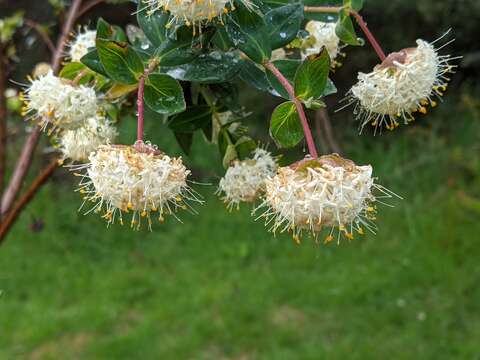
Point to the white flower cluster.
(329, 192)
(245, 179)
(81, 43)
(322, 35)
(77, 144)
(138, 179)
(54, 101)
(405, 82)
(192, 11)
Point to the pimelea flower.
(77, 144)
(244, 180)
(138, 179)
(328, 192)
(404, 83)
(81, 43)
(192, 11)
(322, 35)
(53, 100)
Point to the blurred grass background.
(218, 286)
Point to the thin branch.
(25, 158)
(301, 112)
(363, 25)
(62, 40)
(3, 117)
(24, 200)
(43, 34)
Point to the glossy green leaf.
(247, 31)
(153, 25)
(311, 77)
(353, 4)
(288, 68)
(92, 61)
(285, 126)
(254, 76)
(221, 39)
(283, 24)
(180, 49)
(213, 67)
(192, 119)
(345, 31)
(120, 61)
(163, 94)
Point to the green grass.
(219, 287)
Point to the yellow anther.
(143, 213)
(360, 231)
(328, 238)
(423, 110)
(433, 103)
(348, 235)
(129, 205)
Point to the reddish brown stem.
(363, 25)
(36, 184)
(140, 107)
(301, 112)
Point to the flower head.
(54, 101)
(81, 43)
(77, 144)
(192, 11)
(406, 82)
(137, 179)
(322, 35)
(245, 179)
(328, 192)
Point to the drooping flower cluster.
(244, 180)
(329, 192)
(79, 46)
(322, 35)
(52, 100)
(406, 82)
(191, 12)
(137, 179)
(77, 144)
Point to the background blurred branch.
(41, 31)
(25, 158)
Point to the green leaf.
(244, 147)
(163, 94)
(153, 25)
(247, 31)
(103, 29)
(285, 126)
(108, 32)
(229, 156)
(254, 76)
(92, 61)
(181, 49)
(120, 61)
(221, 39)
(345, 31)
(208, 68)
(71, 70)
(353, 4)
(185, 141)
(311, 77)
(288, 68)
(283, 24)
(192, 119)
